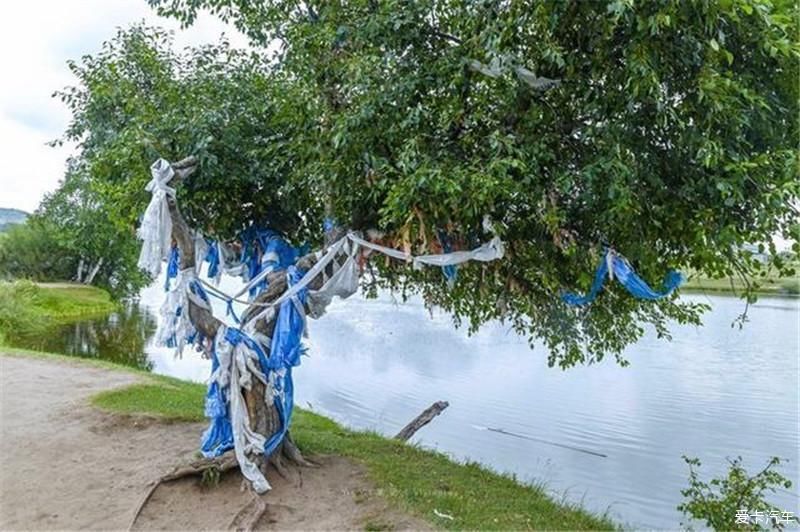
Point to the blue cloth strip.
(264, 249)
(213, 258)
(173, 265)
(218, 437)
(623, 272)
(285, 353)
(230, 312)
(450, 272)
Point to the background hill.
(9, 217)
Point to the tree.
(736, 500)
(666, 130)
(32, 250)
(72, 236)
(670, 137)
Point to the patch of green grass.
(172, 400)
(28, 308)
(415, 479)
(419, 481)
(791, 286)
(65, 301)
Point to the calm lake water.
(606, 436)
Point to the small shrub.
(211, 478)
(720, 501)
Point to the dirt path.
(66, 465)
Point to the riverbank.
(388, 484)
(28, 308)
(769, 286)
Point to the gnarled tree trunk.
(263, 415)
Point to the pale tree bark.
(79, 275)
(94, 271)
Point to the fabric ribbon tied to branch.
(614, 265)
(155, 230)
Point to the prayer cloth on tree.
(155, 230)
(612, 266)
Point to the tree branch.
(202, 318)
(446, 36)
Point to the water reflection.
(120, 337)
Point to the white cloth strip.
(307, 278)
(487, 252)
(155, 231)
(246, 440)
(490, 251)
(400, 255)
(173, 324)
(312, 273)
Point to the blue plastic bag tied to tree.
(615, 265)
(284, 355)
(218, 437)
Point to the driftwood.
(421, 420)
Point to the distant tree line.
(72, 237)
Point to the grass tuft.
(771, 285)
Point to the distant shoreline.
(782, 287)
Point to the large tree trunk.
(263, 416)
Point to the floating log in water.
(421, 420)
(531, 438)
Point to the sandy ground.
(66, 465)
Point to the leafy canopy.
(671, 137)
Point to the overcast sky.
(37, 37)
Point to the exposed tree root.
(219, 465)
(276, 460)
(292, 453)
(288, 450)
(247, 518)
